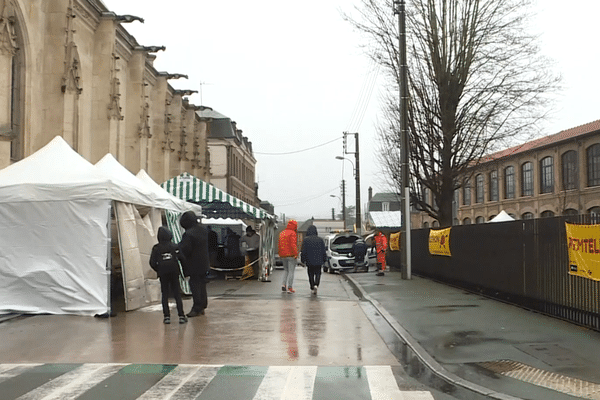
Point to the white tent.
(502, 217)
(165, 199)
(54, 233)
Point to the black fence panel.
(523, 262)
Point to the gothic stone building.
(70, 68)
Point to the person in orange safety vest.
(380, 245)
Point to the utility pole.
(344, 202)
(357, 172)
(356, 176)
(399, 9)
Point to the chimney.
(370, 193)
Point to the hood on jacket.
(292, 224)
(188, 220)
(311, 231)
(164, 234)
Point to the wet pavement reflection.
(246, 323)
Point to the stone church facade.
(70, 68)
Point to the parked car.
(339, 252)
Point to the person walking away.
(380, 248)
(250, 243)
(194, 247)
(359, 250)
(288, 251)
(313, 255)
(164, 259)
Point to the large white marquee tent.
(56, 230)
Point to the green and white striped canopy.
(188, 187)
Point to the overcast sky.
(294, 78)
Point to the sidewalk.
(483, 346)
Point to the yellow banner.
(395, 241)
(439, 242)
(584, 250)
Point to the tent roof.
(166, 199)
(125, 180)
(54, 172)
(215, 202)
(502, 217)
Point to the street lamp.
(347, 159)
(355, 170)
(343, 200)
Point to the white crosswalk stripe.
(383, 386)
(293, 383)
(74, 383)
(183, 383)
(188, 381)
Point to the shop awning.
(215, 202)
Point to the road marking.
(191, 381)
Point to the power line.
(298, 151)
(307, 199)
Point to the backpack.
(166, 260)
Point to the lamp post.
(343, 200)
(399, 9)
(356, 172)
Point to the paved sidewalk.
(487, 345)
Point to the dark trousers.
(252, 257)
(314, 275)
(198, 288)
(169, 283)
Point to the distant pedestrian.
(194, 246)
(250, 243)
(164, 259)
(288, 251)
(380, 247)
(359, 251)
(313, 255)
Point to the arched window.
(593, 165)
(467, 221)
(494, 185)
(546, 214)
(570, 211)
(509, 182)
(425, 224)
(547, 175)
(435, 224)
(479, 188)
(527, 215)
(527, 179)
(467, 193)
(569, 170)
(479, 220)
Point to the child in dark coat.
(164, 260)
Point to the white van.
(339, 251)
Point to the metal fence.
(523, 262)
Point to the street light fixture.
(356, 172)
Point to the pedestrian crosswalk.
(202, 382)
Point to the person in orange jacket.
(288, 251)
(380, 247)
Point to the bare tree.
(476, 82)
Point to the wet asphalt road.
(248, 324)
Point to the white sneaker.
(315, 289)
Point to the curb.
(425, 359)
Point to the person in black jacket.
(164, 259)
(359, 250)
(194, 246)
(313, 255)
